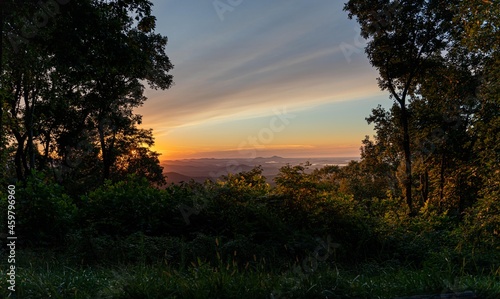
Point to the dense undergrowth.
(240, 238)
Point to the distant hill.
(175, 177)
(270, 158)
(202, 169)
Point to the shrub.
(45, 213)
(480, 234)
(243, 186)
(123, 208)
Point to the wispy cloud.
(264, 55)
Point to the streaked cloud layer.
(230, 74)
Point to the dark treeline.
(425, 194)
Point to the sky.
(263, 78)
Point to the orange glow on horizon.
(177, 153)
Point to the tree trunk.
(45, 158)
(441, 180)
(108, 155)
(19, 156)
(104, 151)
(424, 182)
(407, 152)
(29, 130)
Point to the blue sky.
(237, 62)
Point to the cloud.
(263, 55)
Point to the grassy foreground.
(239, 239)
(46, 276)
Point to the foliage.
(436, 61)
(44, 213)
(254, 236)
(244, 186)
(405, 40)
(70, 93)
(88, 182)
(481, 232)
(122, 208)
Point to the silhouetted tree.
(73, 83)
(404, 37)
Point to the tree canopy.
(72, 74)
(439, 62)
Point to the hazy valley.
(202, 169)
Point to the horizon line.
(260, 157)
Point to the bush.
(418, 240)
(123, 208)
(480, 234)
(45, 214)
(243, 186)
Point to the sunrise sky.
(283, 77)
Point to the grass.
(50, 276)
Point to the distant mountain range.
(174, 177)
(209, 168)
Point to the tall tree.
(443, 119)
(403, 39)
(482, 37)
(115, 87)
(24, 76)
(81, 73)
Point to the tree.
(73, 86)
(135, 157)
(245, 185)
(481, 20)
(449, 67)
(24, 79)
(404, 37)
(444, 139)
(112, 88)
